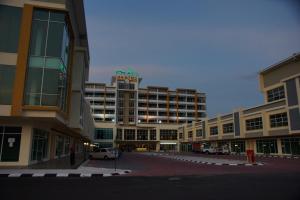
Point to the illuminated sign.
(130, 75)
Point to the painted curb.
(216, 163)
(61, 175)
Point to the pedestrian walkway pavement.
(82, 171)
(205, 160)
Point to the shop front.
(137, 145)
(168, 146)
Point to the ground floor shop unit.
(155, 146)
(155, 137)
(284, 145)
(137, 145)
(25, 142)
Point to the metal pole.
(115, 162)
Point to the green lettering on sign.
(129, 72)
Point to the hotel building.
(44, 63)
(131, 117)
(271, 128)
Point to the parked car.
(222, 150)
(209, 150)
(104, 153)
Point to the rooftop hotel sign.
(129, 75)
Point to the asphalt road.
(228, 186)
(145, 165)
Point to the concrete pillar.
(250, 144)
(25, 145)
(157, 146)
(279, 147)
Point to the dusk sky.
(217, 47)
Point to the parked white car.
(223, 150)
(104, 153)
(209, 150)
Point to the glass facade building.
(42, 76)
(47, 69)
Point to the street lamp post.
(115, 161)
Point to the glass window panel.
(49, 100)
(34, 149)
(65, 48)
(12, 129)
(41, 14)
(39, 149)
(10, 20)
(55, 37)
(36, 61)
(57, 16)
(54, 63)
(32, 99)
(38, 38)
(7, 77)
(51, 81)
(34, 80)
(11, 147)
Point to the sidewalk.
(205, 160)
(81, 171)
(61, 163)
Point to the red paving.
(145, 165)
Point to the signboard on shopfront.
(129, 75)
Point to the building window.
(109, 111)
(190, 134)
(180, 135)
(228, 128)
(266, 146)
(168, 147)
(129, 134)
(238, 146)
(142, 134)
(153, 134)
(168, 134)
(214, 130)
(103, 133)
(131, 119)
(276, 94)
(254, 124)
(199, 133)
(103, 145)
(10, 139)
(39, 147)
(278, 120)
(47, 71)
(10, 21)
(119, 134)
(7, 77)
(291, 146)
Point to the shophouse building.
(271, 128)
(44, 64)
